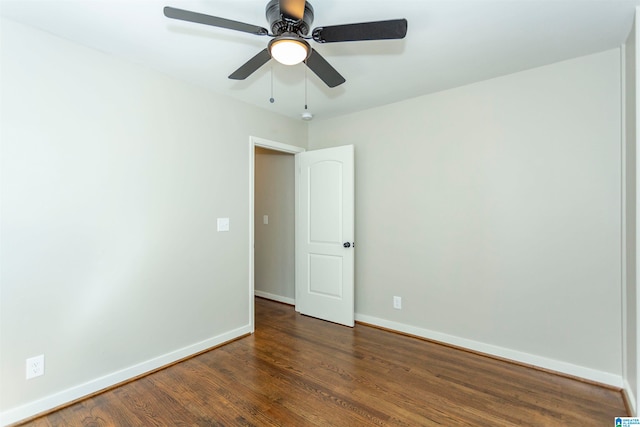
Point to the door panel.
(325, 210)
(322, 269)
(324, 222)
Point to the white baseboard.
(47, 403)
(504, 353)
(274, 297)
(631, 398)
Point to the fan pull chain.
(271, 100)
(305, 86)
(306, 115)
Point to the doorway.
(323, 221)
(272, 221)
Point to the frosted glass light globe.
(288, 51)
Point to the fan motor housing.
(280, 25)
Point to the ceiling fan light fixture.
(290, 22)
(289, 50)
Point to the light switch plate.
(265, 219)
(223, 224)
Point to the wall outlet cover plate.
(35, 366)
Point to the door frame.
(254, 142)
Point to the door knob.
(346, 244)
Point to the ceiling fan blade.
(251, 65)
(378, 30)
(185, 15)
(292, 9)
(324, 70)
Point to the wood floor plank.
(300, 371)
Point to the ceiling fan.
(290, 22)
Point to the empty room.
(286, 212)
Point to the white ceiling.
(449, 43)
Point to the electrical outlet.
(397, 303)
(35, 366)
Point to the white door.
(325, 234)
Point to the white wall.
(494, 211)
(630, 329)
(274, 242)
(112, 179)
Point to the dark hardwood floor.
(300, 371)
